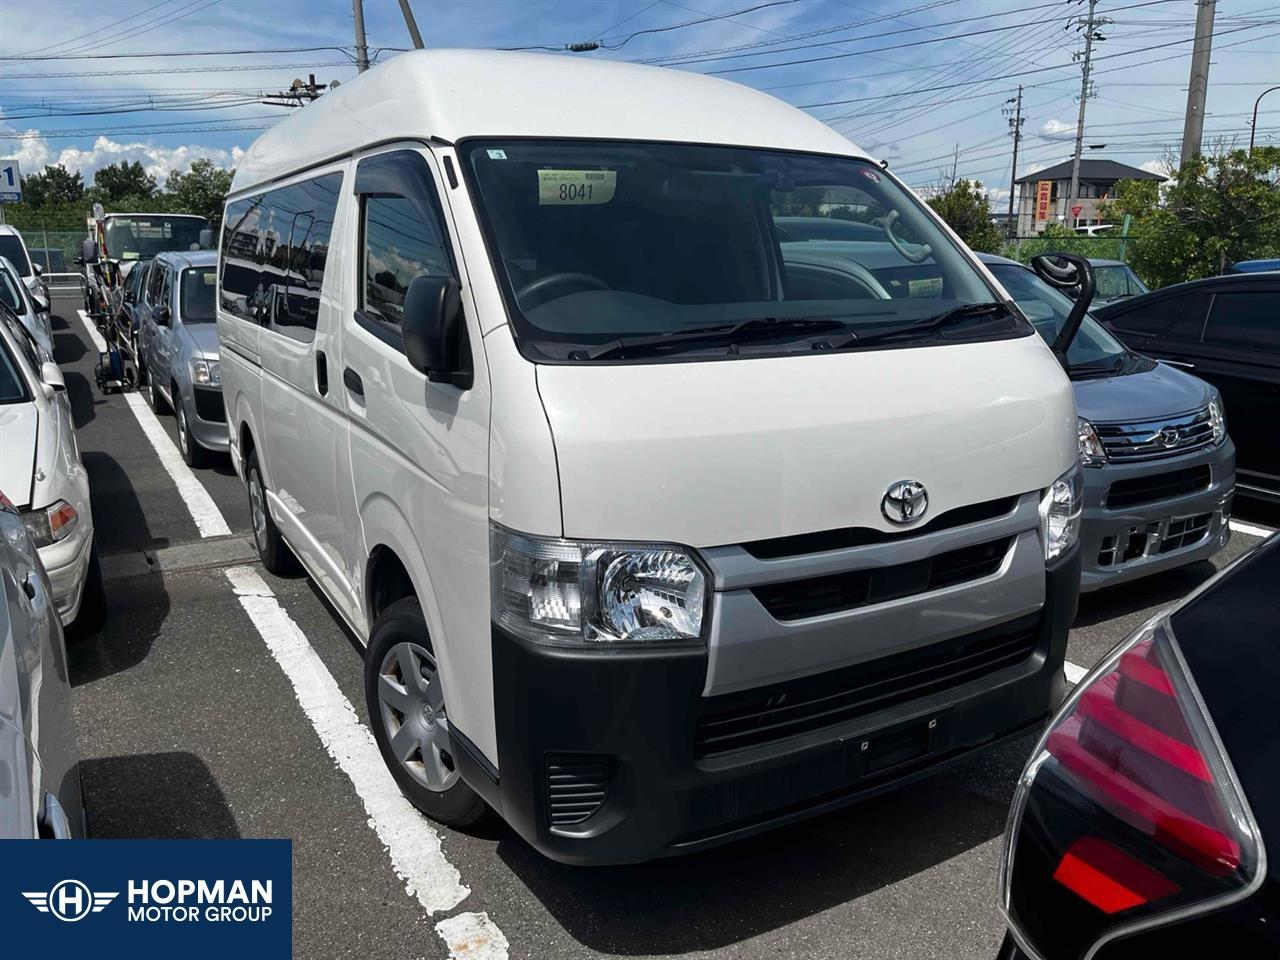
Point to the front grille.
(797, 599)
(209, 405)
(1156, 439)
(1153, 539)
(1160, 486)
(1185, 531)
(799, 544)
(736, 721)
(577, 786)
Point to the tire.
(272, 550)
(195, 455)
(426, 774)
(93, 602)
(156, 397)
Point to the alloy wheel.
(258, 510)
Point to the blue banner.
(139, 899)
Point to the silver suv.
(178, 350)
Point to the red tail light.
(1128, 808)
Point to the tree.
(54, 184)
(1216, 210)
(966, 208)
(202, 189)
(113, 183)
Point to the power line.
(161, 71)
(693, 23)
(91, 33)
(170, 53)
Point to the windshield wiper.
(928, 324)
(760, 328)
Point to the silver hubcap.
(412, 707)
(183, 440)
(257, 510)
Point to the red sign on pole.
(1075, 211)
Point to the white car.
(43, 477)
(33, 313)
(14, 248)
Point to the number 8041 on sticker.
(576, 187)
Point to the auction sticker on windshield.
(576, 186)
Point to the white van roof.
(452, 94)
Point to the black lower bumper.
(597, 758)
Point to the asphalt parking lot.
(202, 714)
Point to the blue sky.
(908, 81)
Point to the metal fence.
(1023, 249)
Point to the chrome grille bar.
(1156, 439)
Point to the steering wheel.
(919, 255)
(542, 284)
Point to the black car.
(1140, 826)
(1227, 331)
(126, 313)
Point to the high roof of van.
(453, 94)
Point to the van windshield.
(690, 248)
(139, 236)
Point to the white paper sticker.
(576, 187)
(497, 154)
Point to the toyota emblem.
(905, 502)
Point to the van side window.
(274, 251)
(398, 247)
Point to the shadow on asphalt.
(120, 525)
(159, 796)
(136, 612)
(1153, 591)
(720, 898)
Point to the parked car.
(1159, 466)
(39, 757)
(117, 239)
(15, 296)
(572, 446)
(42, 474)
(1255, 266)
(14, 249)
(1145, 822)
(1115, 280)
(1227, 331)
(127, 308)
(178, 350)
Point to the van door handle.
(353, 382)
(322, 373)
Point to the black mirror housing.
(1065, 271)
(89, 250)
(161, 316)
(435, 331)
(206, 239)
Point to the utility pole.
(1091, 33)
(1015, 131)
(412, 24)
(362, 47)
(1193, 127)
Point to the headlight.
(579, 592)
(1092, 452)
(51, 524)
(1060, 513)
(205, 373)
(1217, 420)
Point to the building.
(1042, 196)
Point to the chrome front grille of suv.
(1156, 439)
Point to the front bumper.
(66, 563)
(1122, 544)
(629, 720)
(207, 419)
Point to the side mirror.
(161, 316)
(51, 377)
(206, 239)
(39, 270)
(89, 250)
(129, 298)
(435, 332)
(1065, 271)
(42, 305)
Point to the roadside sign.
(1044, 190)
(10, 182)
(1075, 211)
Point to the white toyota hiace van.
(683, 472)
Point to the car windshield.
(599, 243)
(142, 236)
(198, 287)
(1115, 281)
(10, 296)
(1047, 309)
(12, 250)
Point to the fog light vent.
(577, 784)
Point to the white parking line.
(1075, 673)
(208, 518)
(412, 844)
(1249, 530)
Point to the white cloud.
(158, 161)
(1160, 167)
(1058, 130)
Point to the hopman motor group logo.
(162, 901)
